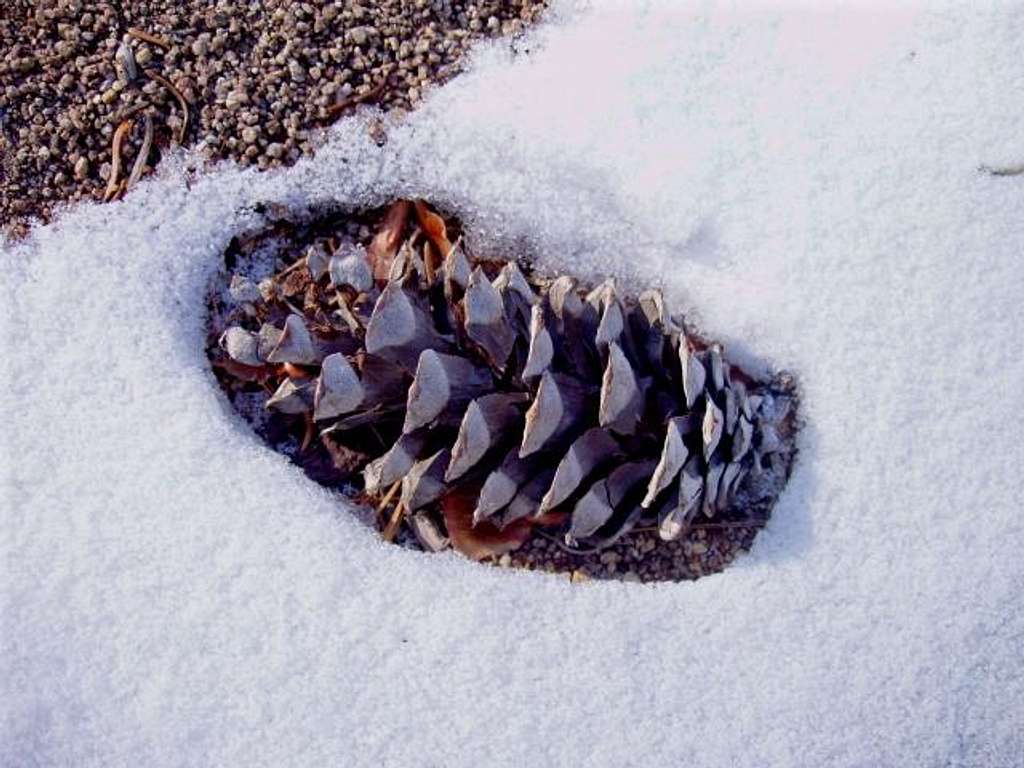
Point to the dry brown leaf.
(484, 539)
(381, 251)
(433, 226)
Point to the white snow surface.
(806, 180)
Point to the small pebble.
(610, 557)
(270, 67)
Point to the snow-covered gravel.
(173, 593)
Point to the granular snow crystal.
(804, 182)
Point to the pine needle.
(391, 529)
(371, 95)
(146, 37)
(117, 145)
(140, 161)
(388, 496)
(157, 77)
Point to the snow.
(805, 181)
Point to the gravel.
(641, 556)
(261, 80)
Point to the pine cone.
(480, 388)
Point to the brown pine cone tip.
(481, 405)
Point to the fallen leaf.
(484, 539)
(433, 226)
(381, 251)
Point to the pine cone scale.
(527, 395)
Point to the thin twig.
(140, 160)
(152, 74)
(113, 183)
(146, 37)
